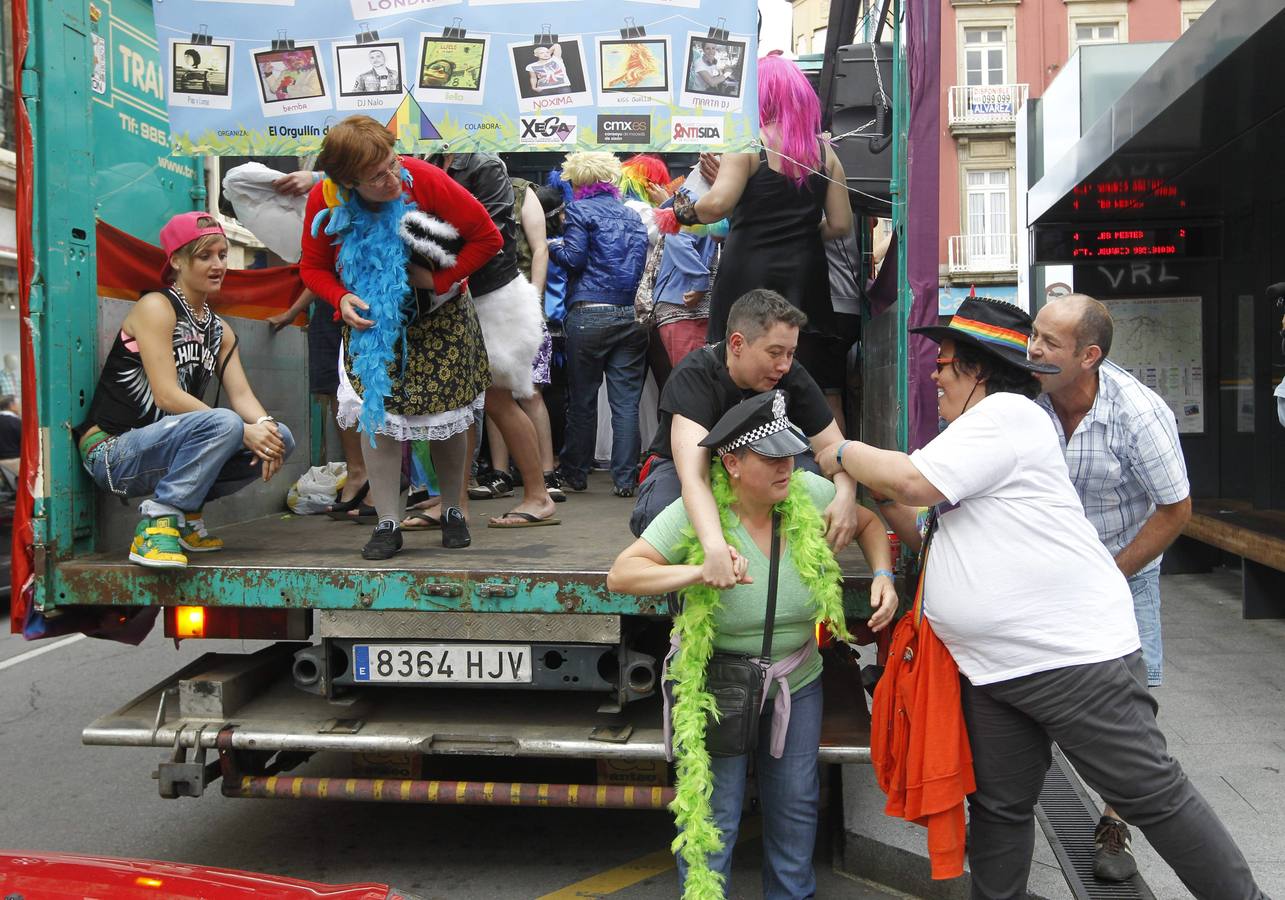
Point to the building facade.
(810, 18)
(997, 54)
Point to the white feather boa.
(510, 317)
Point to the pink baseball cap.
(182, 230)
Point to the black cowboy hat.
(1001, 329)
(758, 423)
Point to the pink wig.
(790, 113)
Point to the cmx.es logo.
(624, 129)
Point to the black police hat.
(760, 424)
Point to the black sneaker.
(384, 542)
(1112, 851)
(455, 535)
(573, 480)
(491, 485)
(622, 491)
(553, 484)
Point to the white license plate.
(442, 663)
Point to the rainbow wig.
(640, 172)
(790, 112)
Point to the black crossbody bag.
(736, 681)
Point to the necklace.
(201, 320)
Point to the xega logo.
(548, 130)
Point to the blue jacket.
(603, 249)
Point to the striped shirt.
(1124, 457)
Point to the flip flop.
(528, 521)
(424, 522)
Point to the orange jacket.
(918, 742)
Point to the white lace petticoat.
(432, 427)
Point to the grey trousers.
(1104, 719)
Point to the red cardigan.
(433, 192)
(918, 742)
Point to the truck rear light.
(189, 622)
(183, 622)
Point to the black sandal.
(339, 511)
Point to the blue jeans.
(184, 460)
(604, 340)
(789, 790)
(1146, 609)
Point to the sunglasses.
(943, 362)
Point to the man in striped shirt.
(1122, 452)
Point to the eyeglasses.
(393, 171)
(943, 362)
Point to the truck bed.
(313, 562)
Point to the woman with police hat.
(1036, 615)
(758, 491)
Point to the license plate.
(442, 663)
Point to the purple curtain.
(923, 40)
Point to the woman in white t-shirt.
(1036, 614)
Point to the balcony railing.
(983, 253)
(989, 104)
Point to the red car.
(75, 876)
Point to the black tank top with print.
(123, 399)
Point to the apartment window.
(984, 56)
(818, 40)
(988, 219)
(1097, 33)
(801, 45)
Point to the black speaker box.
(863, 92)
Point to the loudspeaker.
(861, 122)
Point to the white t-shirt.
(549, 74)
(1017, 579)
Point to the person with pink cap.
(149, 430)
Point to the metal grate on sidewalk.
(1068, 817)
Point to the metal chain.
(202, 322)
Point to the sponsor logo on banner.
(624, 129)
(547, 129)
(698, 129)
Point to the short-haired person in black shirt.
(757, 356)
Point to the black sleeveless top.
(123, 399)
(774, 242)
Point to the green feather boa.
(804, 533)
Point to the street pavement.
(60, 795)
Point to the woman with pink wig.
(782, 202)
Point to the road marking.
(40, 651)
(609, 882)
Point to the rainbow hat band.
(999, 328)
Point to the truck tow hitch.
(181, 777)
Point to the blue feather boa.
(372, 262)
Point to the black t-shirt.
(701, 389)
(10, 435)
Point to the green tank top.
(520, 188)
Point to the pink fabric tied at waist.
(778, 672)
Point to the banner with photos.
(269, 77)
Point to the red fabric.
(128, 267)
(433, 192)
(23, 562)
(919, 745)
(682, 337)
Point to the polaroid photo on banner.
(200, 75)
(515, 2)
(686, 4)
(633, 71)
(549, 77)
(713, 72)
(255, 2)
(452, 69)
(369, 76)
(291, 79)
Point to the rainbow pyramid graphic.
(410, 125)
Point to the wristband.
(887, 573)
(838, 454)
(685, 210)
(262, 419)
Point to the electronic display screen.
(1111, 242)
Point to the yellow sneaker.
(194, 537)
(156, 544)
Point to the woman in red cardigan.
(390, 242)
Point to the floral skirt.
(443, 381)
